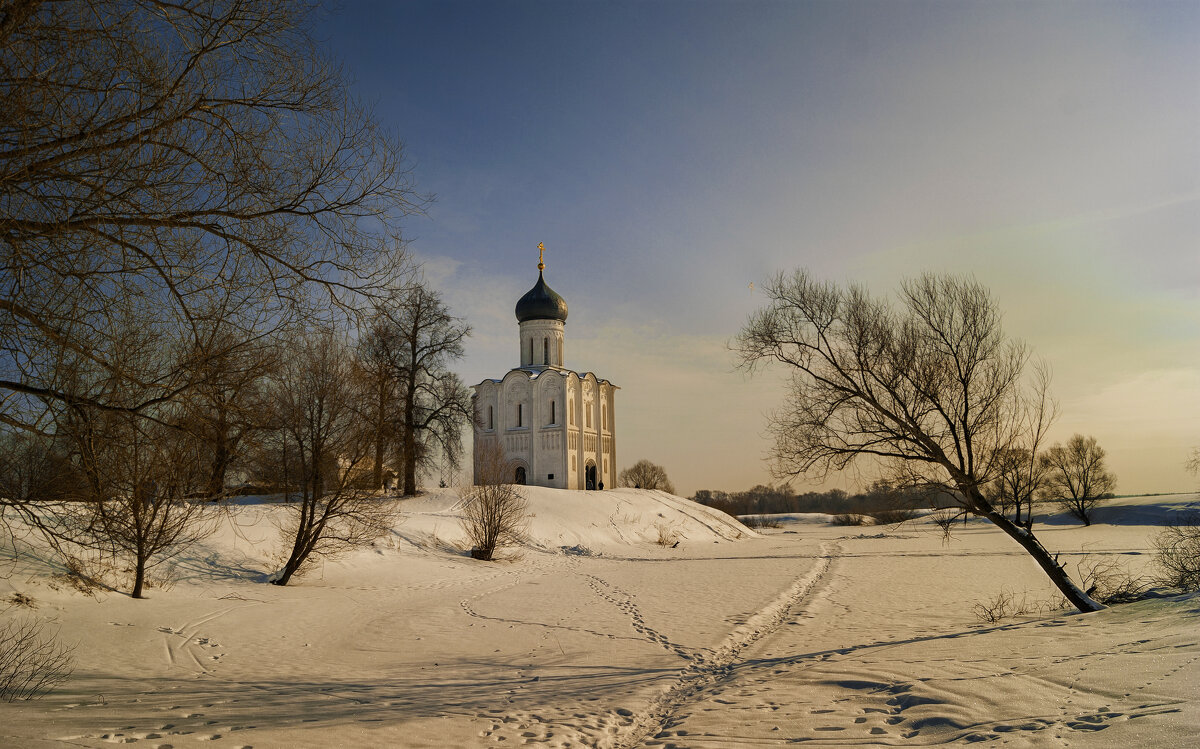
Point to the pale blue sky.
(669, 154)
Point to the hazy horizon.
(672, 154)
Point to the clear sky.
(671, 154)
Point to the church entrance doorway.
(520, 477)
(589, 474)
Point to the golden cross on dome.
(541, 249)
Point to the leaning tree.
(931, 386)
(318, 414)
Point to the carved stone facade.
(556, 426)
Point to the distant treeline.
(769, 500)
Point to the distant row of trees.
(768, 500)
(202, 281)
(1073, 476)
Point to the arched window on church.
(604, 416)
(560, 359)
(551, 412)
(531, 352)
(587, 415)
(545, 351)
(491, 418)
(520, 414)
(571, 412)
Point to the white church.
(555, 425)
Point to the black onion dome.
(541, 303)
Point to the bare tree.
(495, 513)
(166, 154)
(646, 475)
(1016, 485)
(1076, 476)
(32, 660)
(1020, 473)
(434, 404)
(139, 474)
(1177, 552)
(227, 406)
(934, 389)
(319, 415)
(378, 357)
(142, 480)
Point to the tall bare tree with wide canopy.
(1076, 476)
(932, 388)
(190, 158)
(434, 405)
(646, 475)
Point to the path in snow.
(703, 672)
(860, 664)
(618, 703)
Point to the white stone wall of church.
(582, 430)
(550, 450)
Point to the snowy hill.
(564, 518)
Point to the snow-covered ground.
(594, 634)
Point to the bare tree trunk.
(380, 420)
(139, 576)
(1047, 562)
(220, 467)
(409, 440)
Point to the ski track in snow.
(705, 671)
(185, 647)
(627, 725)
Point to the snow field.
(595, 635)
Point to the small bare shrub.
(893, 516)
(32, 661)
(1001, 606)
(759, 521)
(667, 534)
(1177, 552)
(495, 513)
(79, 576)
(849, 519)
(1007, 604)
(1108, 581)
(20, 599)
(945, 519)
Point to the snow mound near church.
(580, 522)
